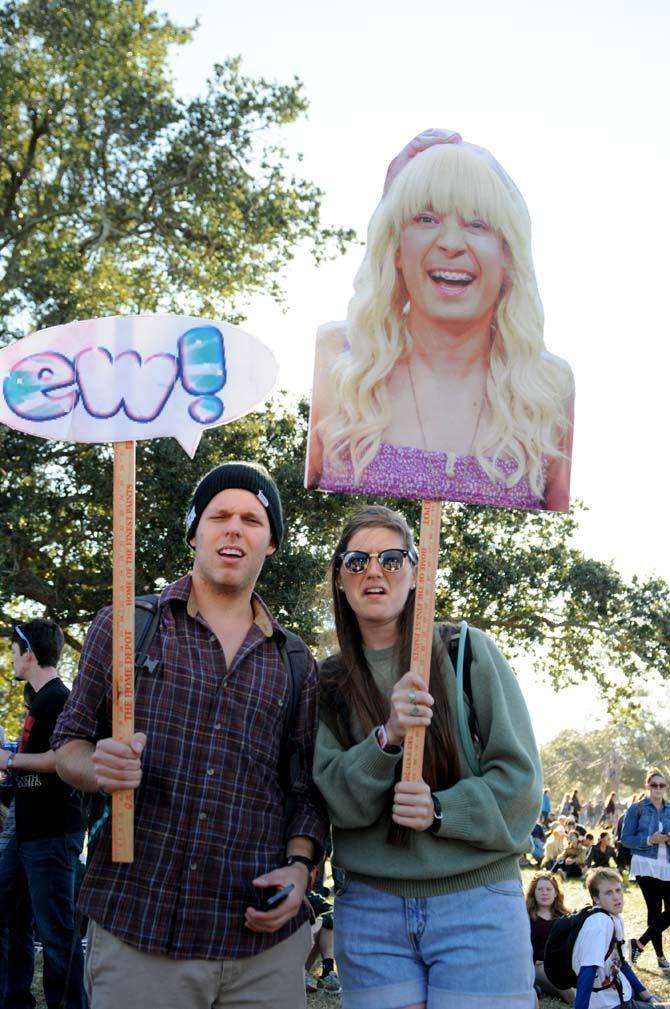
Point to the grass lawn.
(635, 916)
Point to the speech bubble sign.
(130, 378)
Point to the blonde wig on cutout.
(526, 390)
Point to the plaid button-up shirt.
(209, 813)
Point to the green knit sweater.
(487, 819)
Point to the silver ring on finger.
(411, 697)
(414, 712)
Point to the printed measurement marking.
(123, 630)
(422, 631)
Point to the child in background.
(606, 980)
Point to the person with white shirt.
(605, 979)
(646, 831)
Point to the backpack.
(459, 648)
(561, 943)
(295, 658)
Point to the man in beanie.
(182, 925)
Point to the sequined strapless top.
(403, 471)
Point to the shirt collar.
(182, 590)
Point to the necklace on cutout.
(450, 466)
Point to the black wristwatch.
(307, 862)
(437, 814)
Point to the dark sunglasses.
(17, 630)
(356, 561)
(657, 784)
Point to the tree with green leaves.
(612, 758)
(118, 197)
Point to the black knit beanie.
(249, 476)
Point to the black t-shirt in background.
(45, 806)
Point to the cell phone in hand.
(269, 898)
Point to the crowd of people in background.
(603, 843)
(574, 835)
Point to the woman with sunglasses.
(432, 910)
(646, 831)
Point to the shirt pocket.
(266, 728)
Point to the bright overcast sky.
(572, 100)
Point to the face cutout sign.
(439, 386)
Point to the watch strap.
(309, 865)
(437, 814)
(382, 738)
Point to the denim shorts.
(465, 950)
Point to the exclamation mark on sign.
(202, 364)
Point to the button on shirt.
(209, 813)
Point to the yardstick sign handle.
(123, 640)
(422, 631)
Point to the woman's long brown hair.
(349, 674)
(558, 908)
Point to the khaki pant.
(118, 976)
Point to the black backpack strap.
(615, 982)
(147, 618)
(296, 659)
(333, 707)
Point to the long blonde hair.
(526, 389)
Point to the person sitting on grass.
(606, 980)
(572, 858)
(602, 853)
(553, 845)
(545, 903)
(588, 843)
(572, 825)
(537, 843)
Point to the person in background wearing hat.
(181, 925)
